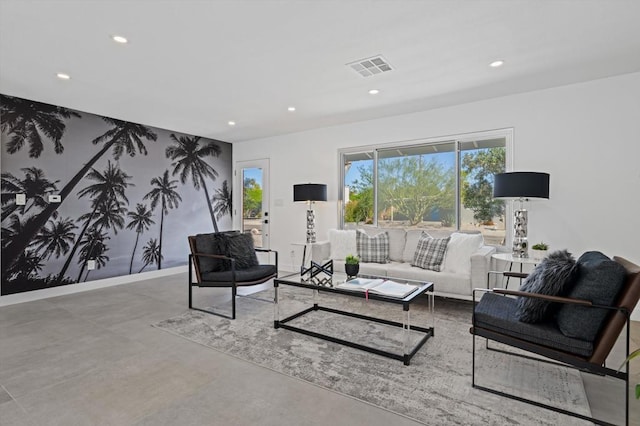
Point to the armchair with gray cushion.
(580, 325)
(226, 259)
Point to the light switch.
(21, 199)
(91, 265)
(54, 198)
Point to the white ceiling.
(192, 66)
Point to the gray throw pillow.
(600, 280)
(240, 247)
(430, 252)
(372, 249)
(552, 276)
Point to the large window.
(443, 185)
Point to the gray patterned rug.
(435, 389)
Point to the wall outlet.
(91, 265)
(54, 198)
(21, 199)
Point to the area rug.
(434, 390)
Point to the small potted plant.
(539, 251)
(352, 265)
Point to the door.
(252, 177)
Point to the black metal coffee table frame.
(295, 280)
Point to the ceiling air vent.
(370, 66)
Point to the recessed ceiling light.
(291, 109)
(231, 123)
(374, 91)
(120, 39)
(63, 76)
(496, 64)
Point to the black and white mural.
(129, 195)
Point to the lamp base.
(520, 243)
(311, 223)
(520, 248)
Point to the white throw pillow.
(459, 251)
(343, 243)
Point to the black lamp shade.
(310, 192)
(521, 185)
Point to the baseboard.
(29, 296)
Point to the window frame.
(457, 139)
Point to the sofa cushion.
(600, 280)
(498, 313)
(459, 250)
(343, 243)
(372, 249)
(551, 277)
(240, 247)
(445, 283)
(378, 269)
(430, 252)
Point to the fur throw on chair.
(553, 276)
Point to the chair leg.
(190, 285)
(473, 361)
(234, 291)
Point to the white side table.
(510, 259)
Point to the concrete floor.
(92, 358)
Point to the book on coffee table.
(379, 286)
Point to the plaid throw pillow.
(430, 252)
(373, 249)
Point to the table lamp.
(520, 186)
(310, 193)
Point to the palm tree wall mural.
(190, 156)
(151, 254)
(53, 150)
(163, 193)
(223, 201)
(140, 222)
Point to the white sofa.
(465, 267)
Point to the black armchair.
(226, 259)
(494, 319)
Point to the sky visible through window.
(255, 174)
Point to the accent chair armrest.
(216, 256)
(515, 274)
(558, 299)
(263, 250)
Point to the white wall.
(587, 136)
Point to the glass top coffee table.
(335, 284)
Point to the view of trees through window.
(252, 181)
(446, 186)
